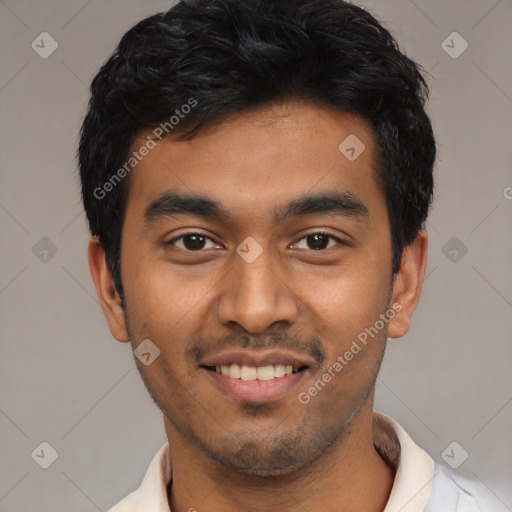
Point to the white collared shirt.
(420, 484)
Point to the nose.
(256, 298)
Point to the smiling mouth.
(261, 373)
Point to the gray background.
(65, 381)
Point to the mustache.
(204, 346)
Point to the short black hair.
(221, 57)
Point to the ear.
(110, 300)
(408, 284)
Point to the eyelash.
(331, 237)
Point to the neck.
(350, 475)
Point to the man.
(257, 175)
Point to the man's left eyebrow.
(339, 202)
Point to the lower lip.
(256, 391)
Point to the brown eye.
(192, 242)
(319, 241)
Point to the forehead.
(263, 157)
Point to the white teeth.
(244, 372)
(266, 372)
(248, 373)
(234, 371)
(279, 370)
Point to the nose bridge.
(256, 281)
(254, 295)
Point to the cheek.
(348, 299)
(164, 296)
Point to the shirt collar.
(152, 493)
(411, 488)
(414, 467)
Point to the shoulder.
(152, 493)
(452, 491)
(127, 504)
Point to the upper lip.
(265, 357)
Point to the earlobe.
(408, 284)
(110, 300)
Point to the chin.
(259, 468)
(266, 458)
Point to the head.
(256, 176)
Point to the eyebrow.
(339, 203)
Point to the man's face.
(257, 284)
